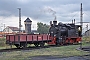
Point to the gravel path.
(85, 57)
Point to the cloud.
(66, 10)
(14, 21)
(22, 1)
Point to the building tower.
(28, 23)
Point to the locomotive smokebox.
(54, 22)
(28, 23)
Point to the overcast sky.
(42, 11)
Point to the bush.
(86, 39)
(2, 42)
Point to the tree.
(42, 28)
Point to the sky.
(43, 11)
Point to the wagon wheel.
(36, 44)
(23, 45)
(17, 45)
(42, 44)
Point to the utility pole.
(87, 30)
(81, 16)
(19, 20)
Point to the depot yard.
(62, 51)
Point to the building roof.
(27, 20)
(14, 28)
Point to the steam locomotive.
(59, 34)
(65, 33)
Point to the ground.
(58, 53)
(85, 57)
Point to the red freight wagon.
(23, 39)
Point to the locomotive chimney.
(74, 21)
(54, 22)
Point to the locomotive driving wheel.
(57, 42)
(23, 45)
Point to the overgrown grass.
(2, 42)
(86, 39)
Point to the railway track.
(20, 49)
(33, 48)
(28, 48)
(86, 48)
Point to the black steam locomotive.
(65, 33)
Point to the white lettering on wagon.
(39, 37)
